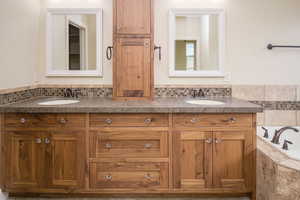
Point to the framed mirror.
(196, 43)
(74, 42)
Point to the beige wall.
(19, 38)
(250, 26)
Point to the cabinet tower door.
(232, 159)
(133, 16)
(66, 156)
(26, 159)
(195, 160)
(133, 69)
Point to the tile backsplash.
(281, 103)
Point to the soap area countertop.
(158, 105)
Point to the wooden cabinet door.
(232, 159)
(66, 157)
(25, 156)
(193, 159)
(133, 68)
(133, 16)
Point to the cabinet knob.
(147, 176)
(218, 141)
(63, 121)
(148, 146)
(23, 120)
(194, 120)
(47, 141)
(108, 121)
(209, 141)
(108, 177)
(148, 121)
(38, 140)
(108, 146)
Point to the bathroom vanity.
(100, 146)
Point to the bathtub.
(294, 137)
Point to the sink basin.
(58, 102)
(206, 102)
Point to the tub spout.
(279, 132)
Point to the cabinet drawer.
(34, 121)
(129, 143)
(212, 120)
(129, 120)
(129, 175)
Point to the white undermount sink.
(205, 102)
(58, 102)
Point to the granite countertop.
(107, 105)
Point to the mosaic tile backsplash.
(159, 92)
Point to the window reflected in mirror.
(196, 36)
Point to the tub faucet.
(278, 133)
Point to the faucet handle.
(266, 134)
(285, 144)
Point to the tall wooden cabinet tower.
(133, 50)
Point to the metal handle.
(159, 50)
(108, 121)
(23, 120)
(148, 146)
(231, 120)
(148, 176)
(194, 120)
(148, 121)
(109, 52)
(47, 141)
(38, 140)
(218, 141)
(209, 141)
(108, 177)
(63, 121)
(108, 146)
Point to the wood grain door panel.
(133, 16)
(129, 143)
(133, 68)
(232, 159)
(129, 175)
(194, 159)
(65, 154)
(25, 160)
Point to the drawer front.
(129, 175)
(129, 143)
(129, 120)
(34, 121)
(212, 120)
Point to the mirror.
(73, 46)
(196, 42)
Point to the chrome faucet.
(278, 133)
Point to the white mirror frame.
(173, 13)
(99, 32)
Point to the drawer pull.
(148, 146)
(108, 121)
(108, 146)
(38, 140)
(63, 121)
(209, 141)
(108, 177)
(22, 120)
(230, 120)
(148, 121)
(218, 141)
(147, 176)
(194, 120)
(47, 141)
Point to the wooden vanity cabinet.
(129, 153)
